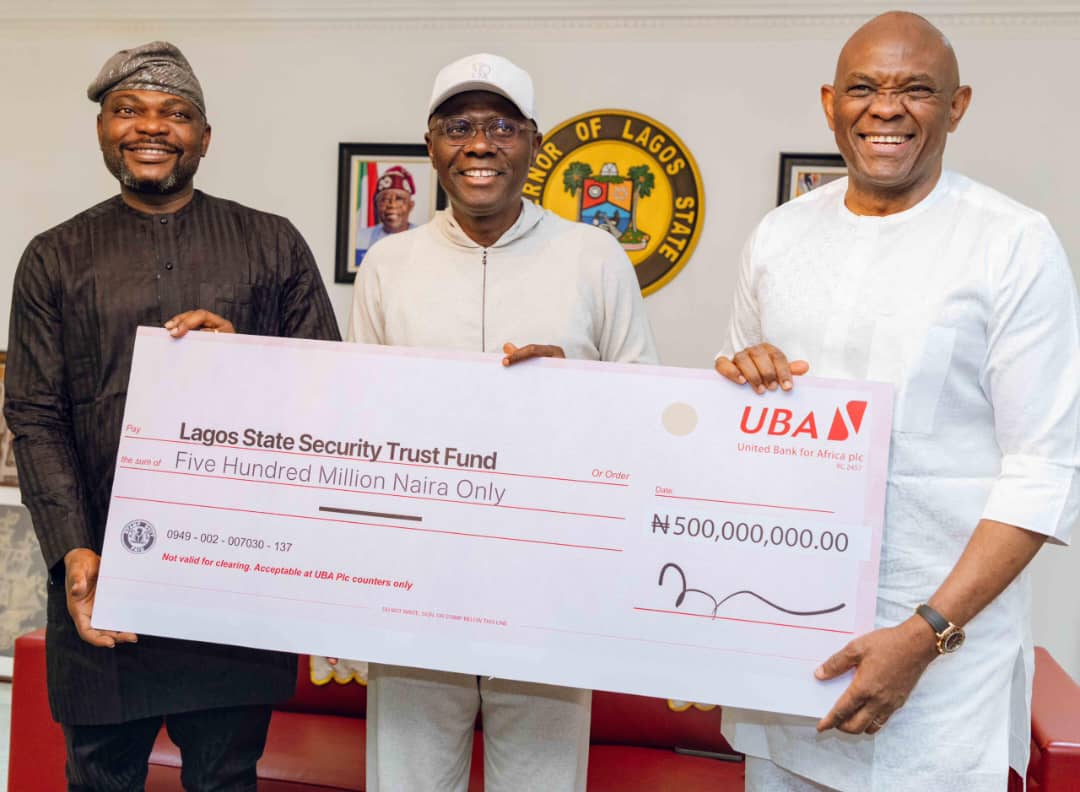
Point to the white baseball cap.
(484, 72)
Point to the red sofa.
(316, 739)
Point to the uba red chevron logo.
(779, 422)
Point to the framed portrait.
(383, 188)
(8, 476)
(801, 173)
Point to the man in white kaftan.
(964, 300)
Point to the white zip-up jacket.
(545, 281)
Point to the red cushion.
(319, 751)
(622, 719)
(1055, 727)
(36, 758)
(332, 697)
(324, 751)
(165, 778)
(617, 768)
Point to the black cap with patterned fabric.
(157, 66)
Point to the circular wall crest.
(629, 175)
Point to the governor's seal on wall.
(138, 536)
(629, 175)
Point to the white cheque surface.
(633, 528)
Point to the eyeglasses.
(459, 130)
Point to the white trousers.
(420, 731)
(764, 776)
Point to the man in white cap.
(147, 256)
(492, 271)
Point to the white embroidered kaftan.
(966, 303)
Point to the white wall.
(286, 81)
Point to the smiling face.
(151, 142)
(895, 98)
(483, 180)
(392, 207)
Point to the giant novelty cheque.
(642, 529)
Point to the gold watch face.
(952, 639)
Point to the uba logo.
(780, 422)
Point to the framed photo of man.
(383, 189)
(801, 173)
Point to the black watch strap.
(938, 622)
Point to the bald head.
(900, 36)
(895, 98)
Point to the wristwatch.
(949, 636)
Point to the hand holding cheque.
(651, 530)
(81, 565)
(887, 662)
